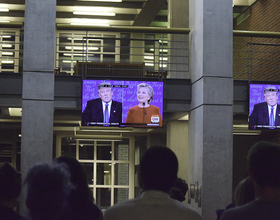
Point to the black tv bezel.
(122, 125)
(266, 128)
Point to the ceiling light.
(81, 48)
(88, 24)
(148, 57)
(149, 64)
(74, 54)
(7, 53)
(6, 36)
(7, 61)
(4, 9)
(160, 50)
(6, 45)
(101, 0)
(97, 13)
(4, 21)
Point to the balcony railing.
(134, 52)
(256, 56)
(120, 53)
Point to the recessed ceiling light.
(97, 13)
(4, 9)
(101, 0)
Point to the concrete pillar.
(211, 123)
(177, 141)
(178, 17)
(38, 84)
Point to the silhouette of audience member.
(10, 188)
(178, 190)
(81, 203)
(264, 170)
(157, 174)
(243, 194)
(48, 187)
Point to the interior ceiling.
(127, 13)
(152, 13)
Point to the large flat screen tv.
(264, 106)
(123, 103)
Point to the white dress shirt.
(151, 205)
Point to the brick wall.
(256, 58)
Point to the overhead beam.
(149, 12)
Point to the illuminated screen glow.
(258, 109)
(125, 92)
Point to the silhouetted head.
(81, 191)
(48, 187)
(264, 164)
(158, 169)
(10, 182)
(244, 192)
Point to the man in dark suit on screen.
(103, 109)
(266, 114)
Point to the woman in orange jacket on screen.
(144, 112)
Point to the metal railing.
(141, 52)
(11, 50)
(256, 55)
(153, 52)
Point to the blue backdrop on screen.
(127, 94)
(256, 94)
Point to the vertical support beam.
(211, 125)
(178, 17)
(38, 84)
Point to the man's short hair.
(270, 89)
(264, 163)
(105, 84)
(10, 182)
(158, 167)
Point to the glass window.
(86, 151)
(103, 173)
(88, 167)
(103, 197)
(68, 147)
(104, 151)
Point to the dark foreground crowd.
(59, 191)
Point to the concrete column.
(38, 84)
(210, 131)
(178, 17)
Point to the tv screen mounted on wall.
(264, 106)
(122, 103)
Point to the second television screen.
(123, 103)
(264, 106)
